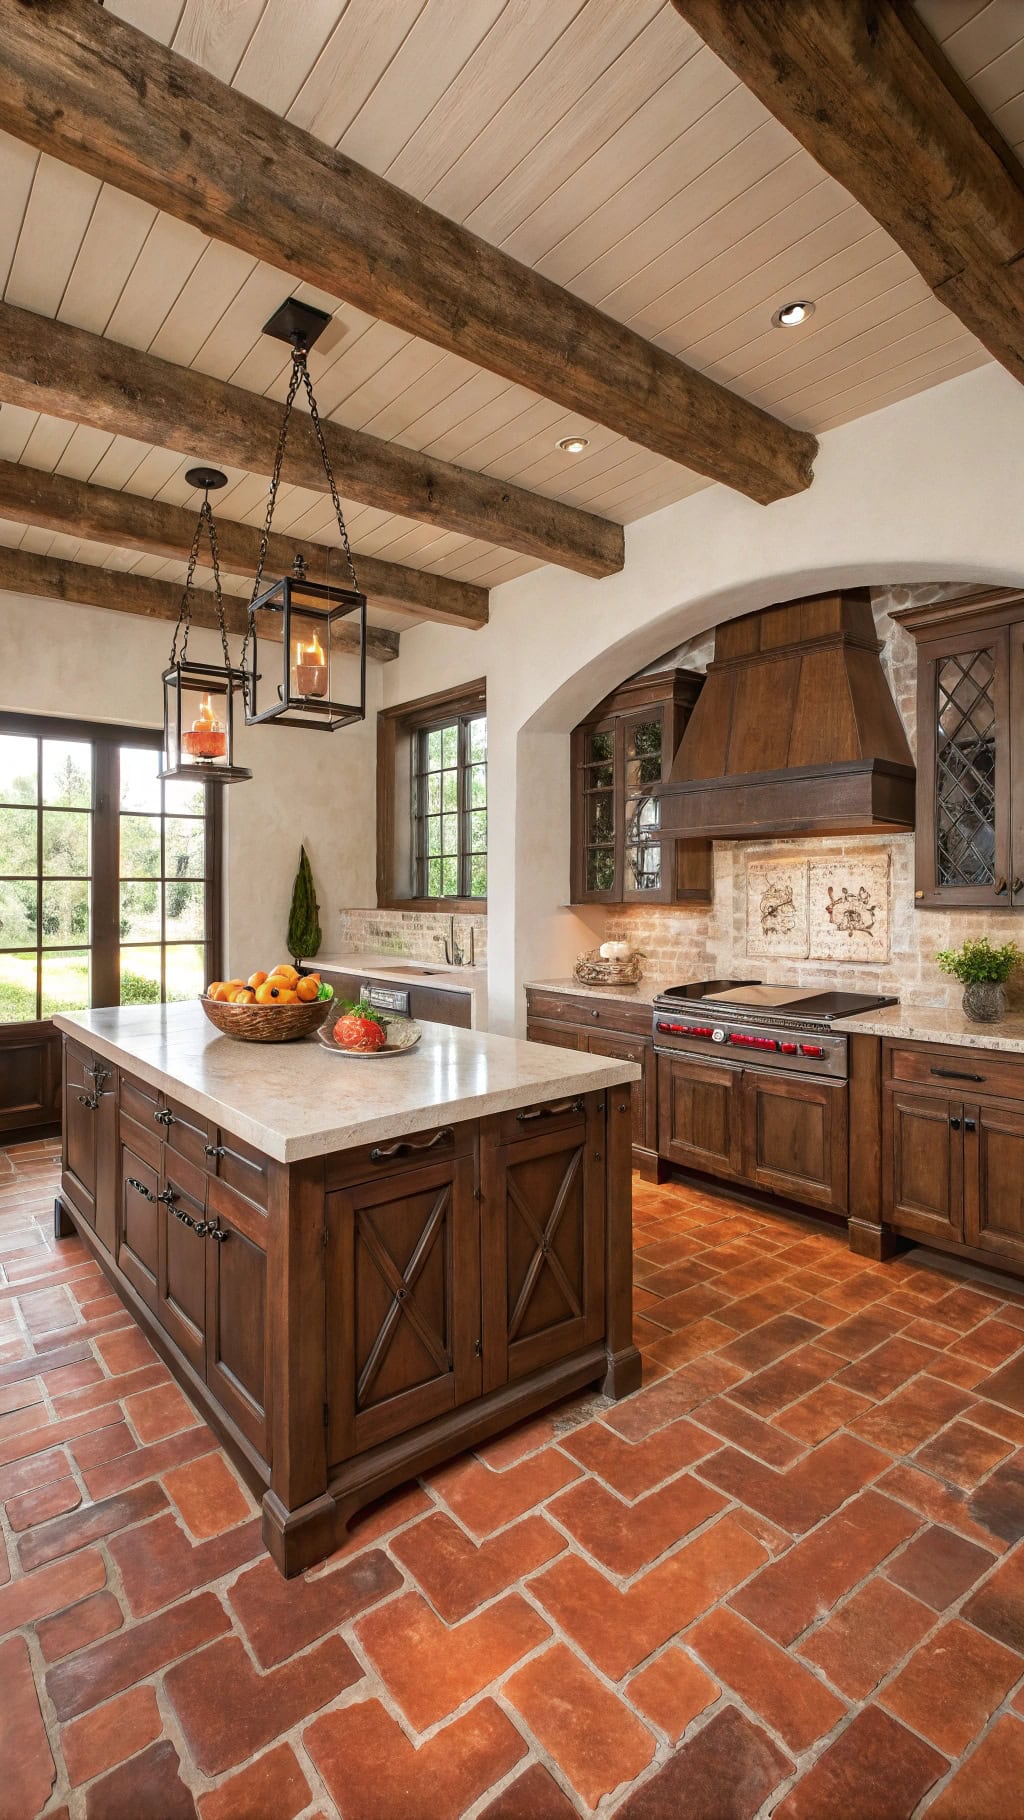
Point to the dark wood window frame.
(398, 731)
(106, 739)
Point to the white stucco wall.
(929, 489)
(307, 787)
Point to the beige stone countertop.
(295, 1100)
(920, 1024)
(405, 970)
(644, 993)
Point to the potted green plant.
(982, 971)
(304, 933)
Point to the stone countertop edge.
(302, 1131)
(921, 1024)
(643, 993)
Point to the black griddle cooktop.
(737, 996)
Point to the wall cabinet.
(970, 758)
(618, 754)
(616, 1027)
(953, 1150)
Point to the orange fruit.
(223, 993)
(257, 978)
(287, 997)
(212, 988)
(307, 990)
(284, 972)
(243, 996)
(275, 991)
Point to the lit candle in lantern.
(207, 738)
(310, 668)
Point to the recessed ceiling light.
(791, 315)
(573, 445)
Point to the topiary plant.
(978, 962)
(304, 931)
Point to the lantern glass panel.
(199, 722)
(312, 636)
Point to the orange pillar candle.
(310, 668)
(207, 738)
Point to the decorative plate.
(402, 1035)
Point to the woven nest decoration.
(267, 1023)
(591, 970)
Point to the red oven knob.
(811, 1049)
(788, 1048)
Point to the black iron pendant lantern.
(308, 637)
(199, 698)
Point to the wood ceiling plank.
(216, 33)
(209, 290)
(119, 591)
(123, 108)
(859, 320)
(159, 18)
(866, 93)
(927, 344)
(89, 379)
(54, 503)
(18, 162)
(278, 58)
(47, 443)
(169, 253)
(877, 395)
(431, 56)
(350, 65)
(110, 247)
(84, 450)
(56, 217)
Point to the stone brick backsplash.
(419, 934)
(710, 943)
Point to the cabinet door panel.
(796, 1138)
(643, 1096)
(403, 1294)
(994, 1181)
(236, 1315)
(963, 769)
(922, 1172)
(138, 1224)
(81, 1127)
(560, 1036)
(700, 1119)
(543, 1247)
(181, 1268)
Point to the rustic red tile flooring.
(786, 1578)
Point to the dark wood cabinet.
(922, 1178)
(182, 1255)
(618, 755)
(236, 1311)
(994, 1181)
(795, 1137)
(403, 1284)
(616, 1027)
(88, 1102)
(970, 759)
(700, 1115)
(542, 1241)
(30, 1081)
(138, 1235)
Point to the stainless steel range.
(789, 1027)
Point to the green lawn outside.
(66, 980)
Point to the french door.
(109, 890)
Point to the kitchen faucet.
(454, 953)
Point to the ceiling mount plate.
(298, 323)
(207, 479)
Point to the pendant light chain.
(300, 376)
(184, 625)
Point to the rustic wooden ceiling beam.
(56, 502)
(50, 366)
(117, 591)
(98, 94)
(870, 95)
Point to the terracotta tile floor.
(785, 1577)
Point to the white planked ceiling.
(598, 140)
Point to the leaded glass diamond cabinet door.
(645, 873)
(598, 810)
(964, 837)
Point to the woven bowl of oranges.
(275, 1007)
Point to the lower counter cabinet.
(385, 1307)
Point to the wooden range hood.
(794, 732)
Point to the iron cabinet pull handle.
(444, 1136)
(99, 1077)
(165, 1116)
(215, 1149)
(214, 1232)
(168, 1197)
(954, 1124)
(1000, 886)
(550, 1112)
(1018, 885)
(595, 1014)
(954, 1074)
(970, 1125)
(140, 1188)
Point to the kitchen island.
(355, 1267)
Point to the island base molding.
(346, 1322)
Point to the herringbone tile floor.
(783, 1578)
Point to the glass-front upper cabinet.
(619, 754)
(970, 750)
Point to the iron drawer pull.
(214, 1232)
(1018, 885)
(99, 1077)
(1000, 886)
(215, 1149)
(377, 1155)
(954, 1124)
(165, 1116)
(140, 1188)
(168, 1196)
(970, 1125)
(550, 1112)
(954, 1074)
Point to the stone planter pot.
(984, 1001)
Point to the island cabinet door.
(182, 1258)
(542, 1238)
(403, 1302)
(236, 1310)
(82, 1102)
(138, 1239)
